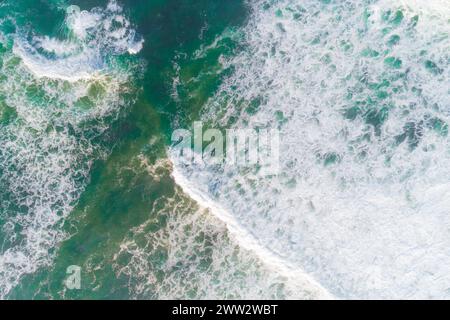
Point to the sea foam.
(92, 36)
(359, 91)
(56, 97)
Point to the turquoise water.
(91, 91)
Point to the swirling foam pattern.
(58, 97)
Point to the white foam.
(95, 34)
(46, 152)
(73, 68)
(367, 224)
(249, 242)
(183, 251)
(58, 47)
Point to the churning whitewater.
(360, 93)
(92, 91)
(56, 96)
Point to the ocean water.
(91, 91)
